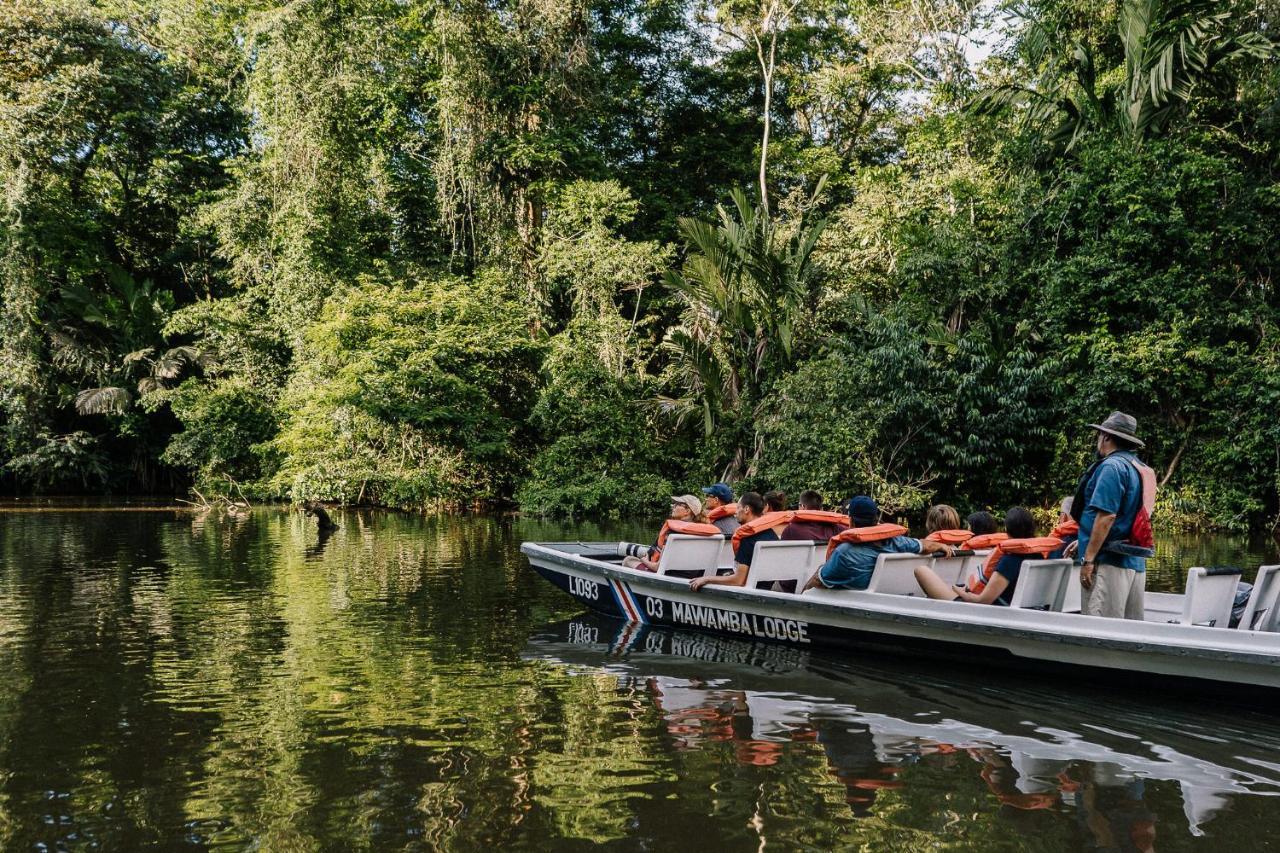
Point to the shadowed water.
(178, 682)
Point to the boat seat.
(895, 574)
(781, 561)
(725, 558)
(1211, 593)
(819, 557)
(951, 569)
(684, 553)
(1042, 585)
(1263, 611)
(1073, 601)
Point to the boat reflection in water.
(1089, 757)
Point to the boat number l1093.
(584, 588)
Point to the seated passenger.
(683, 508)
(942, 524)
(851, 564)
(813, 530)
(982, 523)
(775, 501)
(941, 517)
(1068, 529)
(750, 508)
(720, 507)
(997, 579)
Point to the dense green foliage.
(582, 254)
(406, 395)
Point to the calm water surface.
(177, 682)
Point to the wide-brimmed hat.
(1122, 426)
(694, 505)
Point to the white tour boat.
(1185, 637)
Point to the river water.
(175, 681)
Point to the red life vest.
(1141, 539)
(688, 528)
(863, 535)
(722, 511)
(1041, 545)
(759, 525)
(950, 537)
(986, 540)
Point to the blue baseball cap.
(719, 490)
(863, 508)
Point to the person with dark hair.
(982, 523)
(750, 507)
(775, 501)
(812, 529)
(999, 577)
(851, 564)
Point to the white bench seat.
(1263, 610)
(1211, 593)
(1042, 585)
(684, 553)
(781, 561)
(895, 574)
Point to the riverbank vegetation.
(581, 255)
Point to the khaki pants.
(1117, 593)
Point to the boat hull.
(869, 623)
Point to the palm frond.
(171, 362)
(102, 401)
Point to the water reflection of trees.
(177, 680)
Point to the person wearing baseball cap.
(719, 497)
(1106, 505)
(850, 565)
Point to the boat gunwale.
(1239, 646)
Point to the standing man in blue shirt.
(1106, 506)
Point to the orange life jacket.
(759, 525)
(688, 528)
(1041, 545)
(1066, 530)
(986, 540)
(820, 515)
(722, 511)
(864, 535)
(838, 520)
(950, 537)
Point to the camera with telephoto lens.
(631, 549)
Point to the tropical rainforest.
(579, 255)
